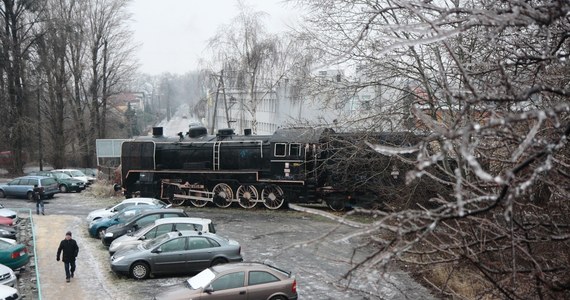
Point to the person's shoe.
(71, 274)
(43, 213)
(67, 280)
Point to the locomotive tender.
(285, 167)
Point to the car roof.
(194, 233)
(248, 266)
(32, 177)
(182, 220)
(163, 210)
(138, 200)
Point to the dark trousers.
(40, 203)
(69, 268)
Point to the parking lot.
(310, 246)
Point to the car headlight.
(108, 234)
(117, 259)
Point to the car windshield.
(126, 215)
(59, 175)
(158, 202)
(201, 279)
(140, 231)
(156, 241)
(76, 173)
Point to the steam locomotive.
(293, 165)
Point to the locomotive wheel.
(272, 196)
(223, 195)
(176, 202)
(336, 202)
(247, 195)
(203, 193)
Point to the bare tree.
(483, 81)
(16, 36)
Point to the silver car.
(255, 281)
(159, 227)
(180, 252)
(23, 187)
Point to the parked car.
(23, 187)
(139, 221)
(180, 252)
(158, 227)
(7, 231)
(12, 254)
(8, 293)
(77, 175)
(254, 281)
(6, 221)
(7, 276)
(111, 210)
(8, 213)
(98, 227)
(66, 183)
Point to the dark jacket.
(69, 249)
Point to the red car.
(6, 221)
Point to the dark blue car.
(98, 227)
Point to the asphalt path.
(310, 246)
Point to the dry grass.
(457, 282)
(103, 189)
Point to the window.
(295, 149)
(146, 219)
(259, 277)
(158, 230)
(280, 150)
(177, 244)
(229, 281)
(195, 243)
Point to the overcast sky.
(174, 33)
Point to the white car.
(158, 227)
(7, 276)
(77, 175)
(7, 292)
(111, 210)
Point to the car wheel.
(140, 270)
(2, 194)
(278, 298)
(218, 261)
(101, 232)
(30, 196)
(63, 188)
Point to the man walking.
(70, 250)
(37, 193)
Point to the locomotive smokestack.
(247, 131)
(157, 131)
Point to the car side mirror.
(142, 238)
(209, 289)
(157, 250)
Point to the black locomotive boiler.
(285, 167)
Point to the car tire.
(2, 194)
(63, 188)
(140, 270)
(218, 261)
(278, 298)
(30, 196)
